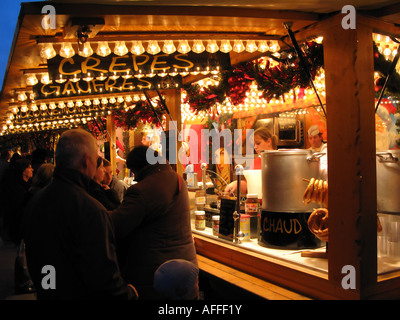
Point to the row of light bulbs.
(120, 48)
(73, 103)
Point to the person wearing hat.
(315, 139)
(177, 279)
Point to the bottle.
(200, 222)
(252, 204)
(245, 226)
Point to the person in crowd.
(106, 196)
(315, 139)
(153, 221)
(4, 161)
(177, 279)
(263, 140)
(69, 234)
(42, 177)
(22, 280)
(39, 156)
(14, 188)
(112, 181)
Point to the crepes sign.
(78, 76)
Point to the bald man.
(70, 245)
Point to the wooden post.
(111, 131)
(173, 102)
(348, 56)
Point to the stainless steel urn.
(283, 179)
(388, 181)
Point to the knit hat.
(177, 280)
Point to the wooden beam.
(173, 102)
(348, 57)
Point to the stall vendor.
(315, 139)
(263, 140)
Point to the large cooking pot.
(388, 181)
(283, 174)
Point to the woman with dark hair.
(153, 222)
(106, 196)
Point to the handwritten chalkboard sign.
(286, 230)
(226, 222)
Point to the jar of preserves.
(215, 225)
(200, 222)
(251, 204)
(200, 199)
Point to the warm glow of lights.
(87, 50)
(225, 46)
(198, 46)
(168, 47)
(67, 51)
(103, 49)
(153, 47)
(47, 51)
(120, 48)
(212, 46)
(183, 46)
(238, 46)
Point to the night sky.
(9, 11)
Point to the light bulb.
(103, 49)
(31, 79)
(275, 46)
(251, 46)
(212, 46)
(137, 48)
(387, 52)
(238, 46)
(183, 46)
(120, 48)
(263, 46)
(47, 51)
(66, 50)
(225, 46)
(153, 47)
(87, 50)
(198, 46)
(45, 79)
(169, 47)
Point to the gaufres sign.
(78, 76)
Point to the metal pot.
(388, 181)
(283, 174)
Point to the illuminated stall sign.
(77, 76)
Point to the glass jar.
(200, 199)
(200, 222)
(252, 204)
(215, 225)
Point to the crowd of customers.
(103, 239)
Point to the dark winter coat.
(153, 226)
(66, 228)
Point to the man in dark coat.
(70, 245)
(153, 222)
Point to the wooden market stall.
(348, 56)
